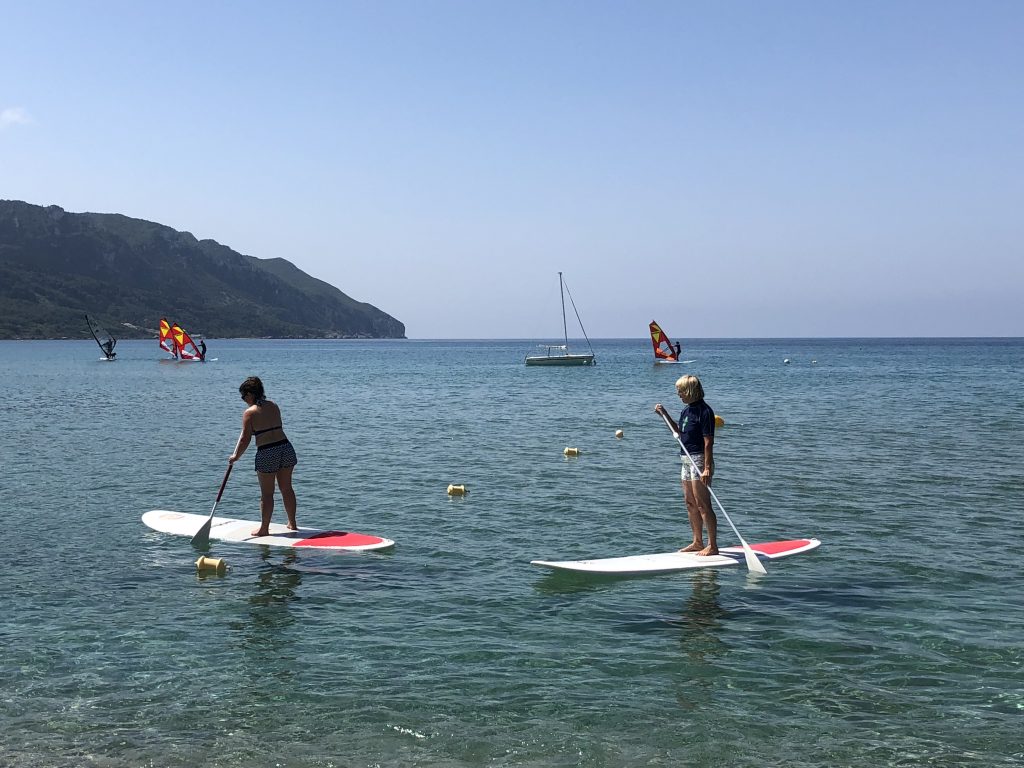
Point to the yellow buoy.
(457, 490)
(571, 451)
(618, 433)
(719, 421)
(216, 564)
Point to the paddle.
(753, 564)
(202, 537)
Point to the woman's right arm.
(660, 410)
(243, 439)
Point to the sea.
(898, 642)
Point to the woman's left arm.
(709, 459)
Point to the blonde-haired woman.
(696, 428)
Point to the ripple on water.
(896, 643)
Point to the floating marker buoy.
(216, 564)
(457, 490)
(813, 362)
(786, 361)
(719, 421)
(618, 433)
(571, 451)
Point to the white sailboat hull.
(560, 360)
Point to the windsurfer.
(202, 350)
(679, 349)
(696, 428)
(275, 456)
(108, 348)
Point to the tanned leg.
(266, 502)
(284, 482)
(707, 515)
(693, 513)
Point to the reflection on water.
(266, 630)
(700, 623)
(567, 582)
(275, 588)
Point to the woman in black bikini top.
(275, 456)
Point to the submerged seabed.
(898, 642)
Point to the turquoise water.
(897, 642)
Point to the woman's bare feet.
(709, 550)
(260, 532)
(697, 546)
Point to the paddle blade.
(202, 537)
(753, 562)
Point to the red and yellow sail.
(663, 348)
(187, 349)
(166, 340)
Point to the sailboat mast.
(565, 330)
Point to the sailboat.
(166, 340)
(183, 344)
(664, 350)
(104, 339)
(559, 354)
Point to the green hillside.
(56, 266)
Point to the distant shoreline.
(531, 340)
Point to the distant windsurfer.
(202, 350)
(696, 429)
(108, 343)
(275, 456)
(679, 349)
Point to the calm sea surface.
(899, 642)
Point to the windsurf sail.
(166, 340)
(663, 348)
(187, 349)
(104, 339)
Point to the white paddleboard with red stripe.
(240, 531)
(666, 562)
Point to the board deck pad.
(666, 562)
(240, 531)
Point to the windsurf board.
(240, 531)
(666, 562)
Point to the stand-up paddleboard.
(240, 531)
(667, 562)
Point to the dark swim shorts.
(274, 457)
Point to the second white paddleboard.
(666, 562)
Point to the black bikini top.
(268, 429)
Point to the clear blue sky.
(727, 168)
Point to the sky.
(730, 169)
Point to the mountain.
(56, 266)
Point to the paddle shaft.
(203, 534)
(752, 562)
(223, 483)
